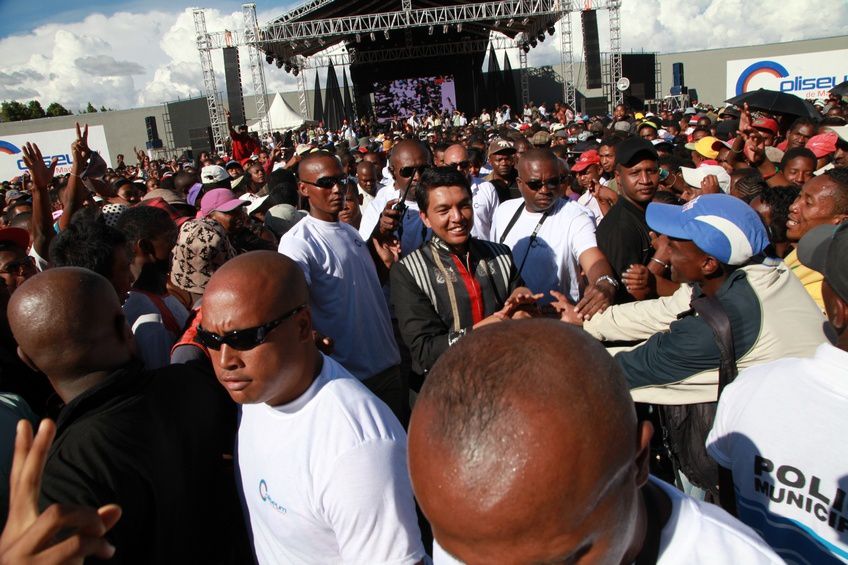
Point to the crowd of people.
(618, 339)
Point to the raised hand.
(41, 174)
(79, 148)
(31, 538)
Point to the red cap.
(766, 123)
(586, 159)
(823, 144)
(20, 237)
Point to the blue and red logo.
(7, 148)
(770, 68)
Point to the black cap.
(825, 249)
(627, 152)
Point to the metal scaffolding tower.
(257, 71)
(569, 91)
(614, 7)
(217, 118)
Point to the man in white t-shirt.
(484, 196)
(344, 289)
(779, 429)
(539, 458)
(408, 160)
(553, 239)
(322, 461)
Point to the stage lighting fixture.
(306, 43)
(279, 63)
(445, 28)
(269, 59)
(541, 37)
(358, 38)
(386, 34)
(525, 21)
(497, 23)
(373, 37)
(288, 68)
(430, 30)
(510, 22)
(533, 43)
(526, 48)
(458, 27)
(551, 30)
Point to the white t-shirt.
(366, 198)
(414, 231)
(345, 296)
(696, 533)
(781, 427)
(324, 477)
(485, 200)
(553, 261)
(153, 339)
(588, 200)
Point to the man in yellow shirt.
(823, 200)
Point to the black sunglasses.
(243, 340)
(408, 172)
(537, 184)
(328, 182)
(461, 165)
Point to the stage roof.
(362, 24)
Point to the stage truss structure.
(301, 44)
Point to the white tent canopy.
(281, 115)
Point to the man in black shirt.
(158, 443)
(623, 235)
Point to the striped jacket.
(438, 296)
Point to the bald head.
(408, 150)
(455, 153)
(512, 407)
(536, 155)
(274, 365)
(68, 322)
(265, 279)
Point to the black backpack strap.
(713, 313)
(511, 223)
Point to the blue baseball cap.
(719, 224)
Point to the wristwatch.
(608, 279)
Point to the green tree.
(90, 109)
(56, 109)
(35, 109)
(14, 111)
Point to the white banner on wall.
(55, 143)
(808, 75)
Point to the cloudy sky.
(130, 53)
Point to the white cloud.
(145, 58)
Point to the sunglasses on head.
(537, 184)
(243, 340)
(327, 182)
(408, 172)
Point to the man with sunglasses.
(322, 462)
(483, 194)
(393, 212)
(553, 239)
(346, 299)
(15, 265)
